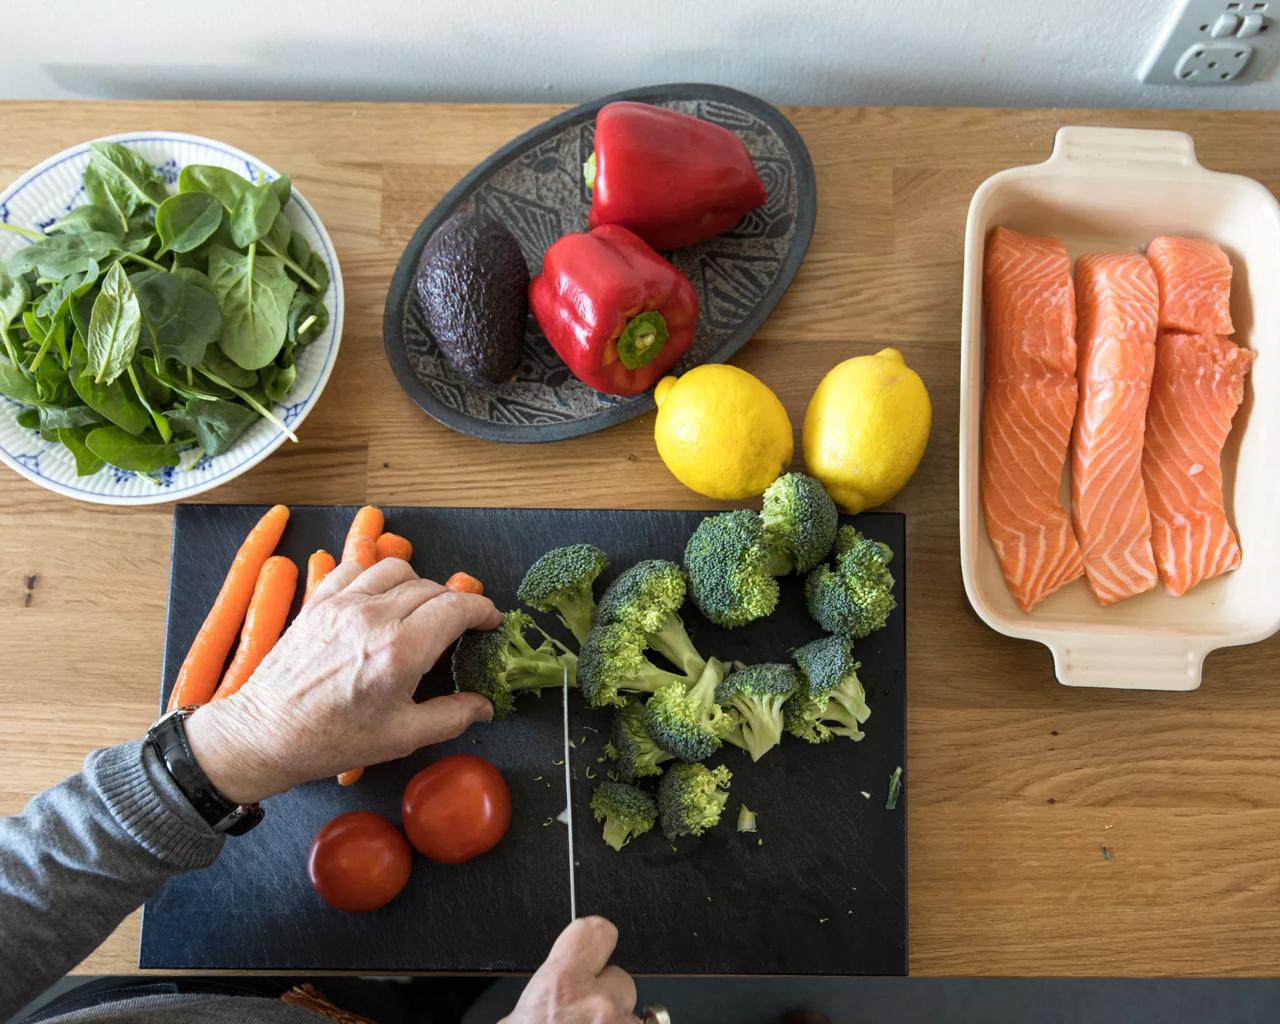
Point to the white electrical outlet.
(1213, 42)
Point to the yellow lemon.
(866, 429)
(721, 432)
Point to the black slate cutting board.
(820, 889)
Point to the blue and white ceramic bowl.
(47, 192)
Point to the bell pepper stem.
(642, 340)
(589, 171)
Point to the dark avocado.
(473, 289)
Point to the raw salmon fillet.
(1028, 410)
(1195, 285)
(1197, 387)
(1118, 305)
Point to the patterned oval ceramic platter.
(47, 192)
(534, 186)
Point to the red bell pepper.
(619, 315)
(672, 179)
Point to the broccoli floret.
(499, 663)
(612, 664)
(830, 701)
(756, 695)
(647, 598)
(731, 566)
(631, 745)
(626, 811)
(691, 798)
(857, 596)
(800, 520)
(560, 581)
(686, 720)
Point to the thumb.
(439, 719)
(586, 944)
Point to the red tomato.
(359, 861)
(456, 809)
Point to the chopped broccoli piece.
(686, 720)
(560, 581)
(647, 598)
(631, 745)
(746, 819)
(500, 663)
(626, 811)
(731, 566)
(856, 598)
(830, 701)
(691, 798)
(800, 520)
(755, 696)
(612, 664)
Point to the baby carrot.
(464, 583)
(263, 623)
(319, 565)
(350, 778)
(363, 550)
(367, 523)
(198, 677)
(392, 545)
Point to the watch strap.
(168, 737)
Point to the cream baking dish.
(1111, 190)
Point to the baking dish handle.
(1128, 662)
(1087, 146)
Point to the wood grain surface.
(1017, 784)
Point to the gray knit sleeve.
(82, 856)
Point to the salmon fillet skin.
(1197, 388)
(1117, 302)
(1194, 278)
(1028, 410)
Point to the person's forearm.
(82, 856)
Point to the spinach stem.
(307, 279)
(252, 402)
(162, 424)
(35, 236)
(146, 262)
(306, 325)
(13, 353)
(44, 348)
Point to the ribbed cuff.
(149, 806)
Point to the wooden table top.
(1017, 784)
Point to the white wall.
(998, 52)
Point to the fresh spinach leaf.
(299, 250)
(224, 185)
(308, 317)
(89, 217)
(221, 366)
(73, 439)
(217, 425)
(280, 237)
(13, 300)
(82, 312)
(254, 293)
(283, 188)
(184, 222)
(277, 380)
(254, 214)
(318, 271)
(114, 327)
(56, 302)
(104, 194)
(28, 419)
(127, 175)
(55, 418)
(181, 318)
(60, 256)
(125, 451)
(114, 402)
(17, 385)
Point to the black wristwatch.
(168, 737)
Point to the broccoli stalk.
(626, 811)
(631, 746)
(830, 700)
(686, 720)
(691, 798)
(647, 599)
(856, 598)
(561, 580)
(500, 663)
(755, 696)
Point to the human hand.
(336, 692)
(576, 984)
